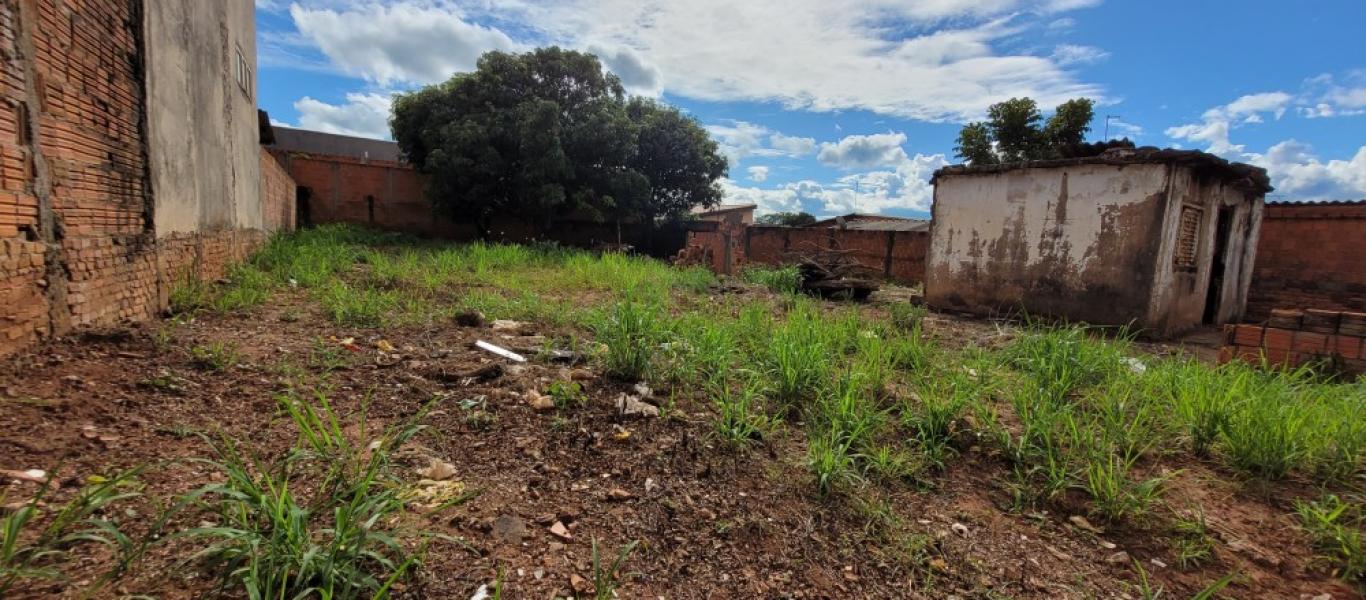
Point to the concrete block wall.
(1309, 256)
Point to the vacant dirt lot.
(908, 455)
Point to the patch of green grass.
(832, 463)
(358, 307)
(933, 413)
(1338, 527)
(1064, 360)
(906, 316)
(190, 295)
(799, 358)
(1115, 495)
(783, 280)
(215, 356)
(247, 288)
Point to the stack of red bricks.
(1296, 337)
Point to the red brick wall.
(778, 245)
(342, 189)
(277, 194)
(77, 245)
(1309, 256)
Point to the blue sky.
(833, 107)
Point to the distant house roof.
(858, 217)
(1247, 176)
(722, 208)
(333, 144)
(1317, 202)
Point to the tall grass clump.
(783, 280)
(1202, 398)
(273, 535)
(741, 419)
(1266, 433)
(248, 287)
(631, 331)
(933, 412)
(799, 357)
(357, 307)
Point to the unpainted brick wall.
(277, 194)
(76, 228)
(1293, 338)
(897, 255)
(1309, 256)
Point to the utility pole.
(1107, 126)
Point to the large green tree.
(548, 132)
(788, 219)
(1012, 132)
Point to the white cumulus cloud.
(741, 139)
(757, 173)
(362, 115)
(864, 151)
(405, 42)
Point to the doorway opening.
(302, 216)
(1218, 266)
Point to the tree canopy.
(1012, 132)
(548, 132)
(789, 219)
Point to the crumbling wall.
(77, 218)
(1077, 242)
(1309, 256)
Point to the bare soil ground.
(711, 521)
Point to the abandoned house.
(131, 158)
(1159, 240)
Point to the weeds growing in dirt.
(567, 394)
(269, 541)
(88, 518)
(1194, 546)
(741, 419)
(906, 316)
(1338, 528)
(215, 356)
(607, 576)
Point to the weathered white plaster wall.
(1076, 242)
(203, 148)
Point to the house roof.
(333, 144)
(1245, 175)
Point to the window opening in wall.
(1188, 238)
(243, 71)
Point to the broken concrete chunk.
(30, 475)
(507, 325)
(631, 406)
